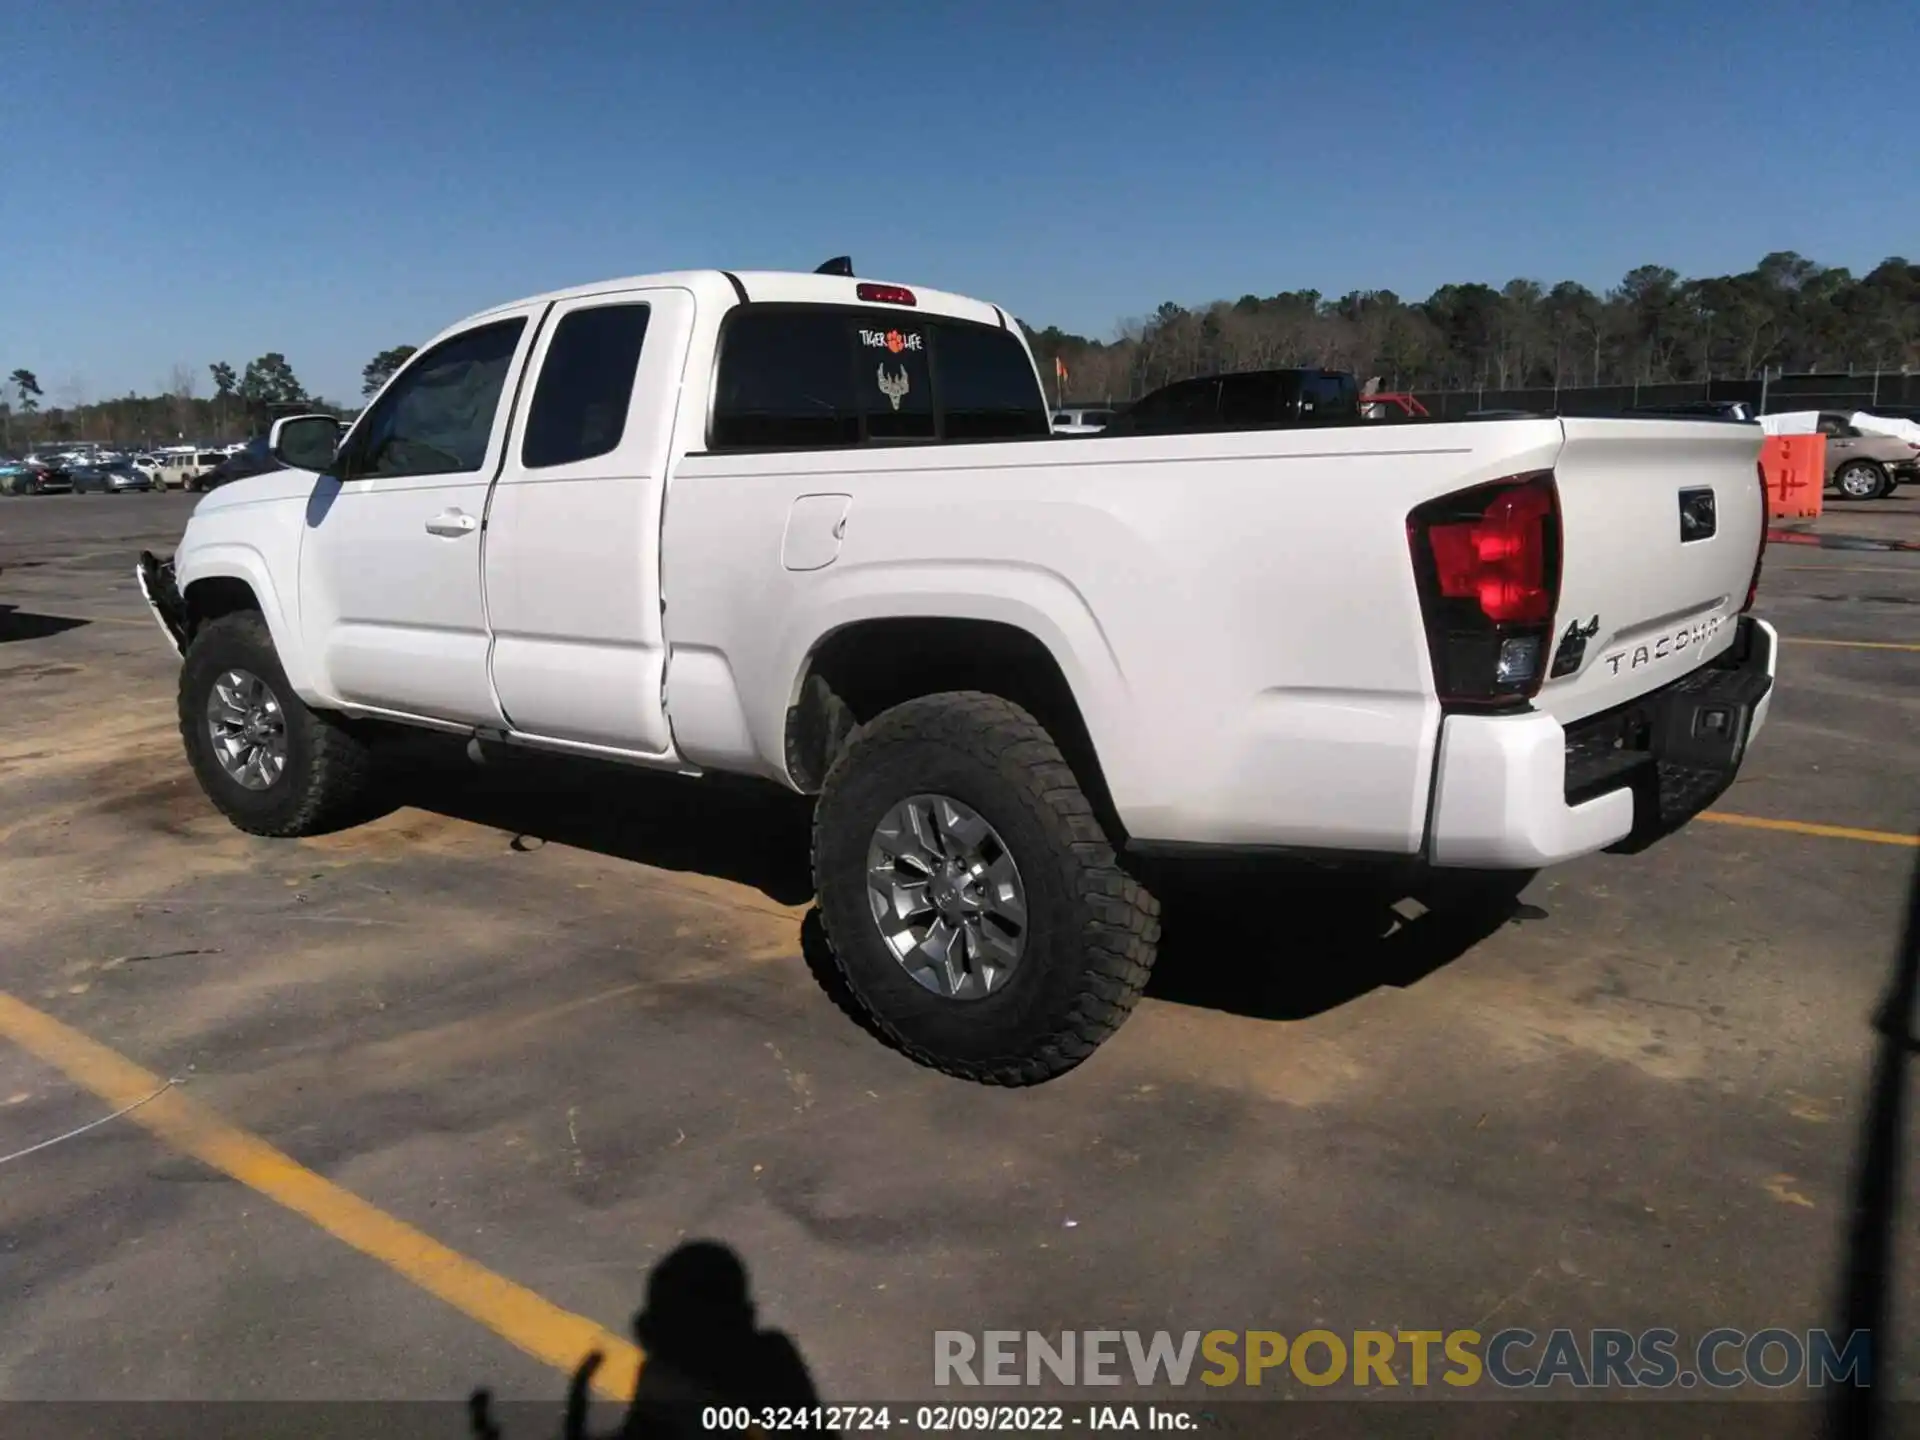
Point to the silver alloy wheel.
(947, 896)
(248, 730)
(1858, 482)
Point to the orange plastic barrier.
(1796, 470)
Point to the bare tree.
(71, 397)
(180, 387)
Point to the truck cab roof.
(773, 287)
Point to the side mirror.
(305, 442)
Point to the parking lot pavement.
(1896, 518)
(561, 1020)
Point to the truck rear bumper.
(1523, 791)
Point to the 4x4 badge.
(1573, 647)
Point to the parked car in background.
(1249, 399)
(108, 479)
(180, 469)
(203, 461)
(1081, 420)
(36, 475)
(1699, 410)
(1862, 466)
(253, 457)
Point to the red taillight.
(885, 294)
(1487, 565)
(1760, 555)
(1499, 560)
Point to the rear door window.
(1191, 404)
(579, 408)
(1251, 399)
(1326, 397)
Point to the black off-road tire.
(330, 772)
(1092, 928)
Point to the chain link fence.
(1770, 396)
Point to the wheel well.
(218, 595)
(869, 667)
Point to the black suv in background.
(250, 459)
(1248, 399)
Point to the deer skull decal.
(894, 387)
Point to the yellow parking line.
(1807, 827)
(1850, 644)
(534, 1324)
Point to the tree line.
(1787, 314)
(238, 404)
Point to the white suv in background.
(1078, 420)
(178, 469)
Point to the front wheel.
(973, 904)
(269, 764)
(1862, 480)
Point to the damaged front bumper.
(163, 598)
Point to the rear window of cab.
(808, 377)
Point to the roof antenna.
(839, 265)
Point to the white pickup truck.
(816, 529)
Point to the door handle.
(452, 522)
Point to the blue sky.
(192, 180)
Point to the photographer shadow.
(703, 1350)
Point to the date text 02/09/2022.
(945, 1419)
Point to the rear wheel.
(1862, 480)
(973, 904)
(269, 764)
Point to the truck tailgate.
(1652, 573)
